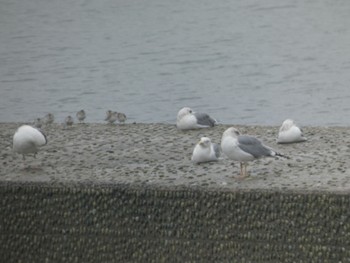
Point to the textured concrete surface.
(41, 222)
(159, 154)
(129, 193)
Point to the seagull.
(121, 117)
(28, 139)
(111, 116)
(68, 121)
(81, 115)
(205, 151)
(243, 148)
(49, 118)
(290, 132)
(187, 119)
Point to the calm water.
(242, 61)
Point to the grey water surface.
(242, 61)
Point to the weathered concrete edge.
(65, 220)
(168, 188)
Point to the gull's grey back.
(253, 146)
(204, 119)
(217, 150)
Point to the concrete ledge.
(120, 223)
(159, 154)
(129, 193)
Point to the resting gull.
(244, 148)
(28, 139)
(290, 132)
(205, 151)
(187, 119)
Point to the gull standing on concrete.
(244, 148)
(81, 115)
(205, 151)
(290, 132)
(187, 119)
(28, 139)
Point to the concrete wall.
(120, 223)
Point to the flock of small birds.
(111, 117)
(28, 139)
(242, 148)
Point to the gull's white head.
(205, 142)
(287, 124)
(183, 112)
(232, 132)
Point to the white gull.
(187, 119)
(28, 140)
(205, 151)
(289, 133)
(243, 148)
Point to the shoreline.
(158, 155)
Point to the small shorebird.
(111, 116)
(27, 140)
(81, 115)
(289, 132)
(49, 118)
(205, 151)
(121, 117)
(243, 148)
(187, 119)
(68, 121)
(38, 122)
